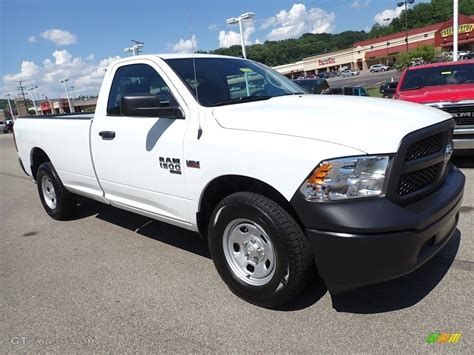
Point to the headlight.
(346, 178)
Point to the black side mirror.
(147, 105)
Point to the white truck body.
(278, 142)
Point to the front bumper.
(361, 242)
(463, 138)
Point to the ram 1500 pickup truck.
(449, 87)
(281, 183)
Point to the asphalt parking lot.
(365, 79)
(113, 281)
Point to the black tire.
(65, 201)
(293, 257)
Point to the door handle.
(107, 135)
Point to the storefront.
(444, 36)
(386, 49)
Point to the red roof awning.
(397, 49)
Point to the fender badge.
(193, 164)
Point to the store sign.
(466, 28)
(330, 60)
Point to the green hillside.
(291, 50)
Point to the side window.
(137, 79)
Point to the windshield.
(439, 76)
(225, 81)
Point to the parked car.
(378, 67)
(2, 125)
(348, 72)
(314, 86)
(349, 90)
(8, 126)
(448, 86)
(280, 182)
(467, 56)
(387, 89)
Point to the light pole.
(136, 48)
(50, 104)
(71, 108)
(10, 105)
(400, 4)
(38, 96)
(234, 20)
(33, 99)
(455, 29)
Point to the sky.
(44, 41)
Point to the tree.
(427, 53)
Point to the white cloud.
(59, 37)
(297, 21)
(85, 75)
(212, 27)
(184, 45)
(359, 4)
(385, 17)
(230, 38)
(32, 39)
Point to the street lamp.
(400, 4)
(71, 108)
(10, 105)
(234, 20)
(34, 101)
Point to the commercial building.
(385, 49)
(60, 106)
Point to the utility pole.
(20, 82)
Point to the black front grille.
(417, 180)
(424, 147)
(463, 115)
(420, 163)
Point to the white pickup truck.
(282, 183)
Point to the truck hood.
(367, 124)
(446, 93)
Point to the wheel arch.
(37, 157)
(220, 187)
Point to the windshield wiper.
(293, 93)
(241, 99)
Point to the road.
(109, 280)
(365, 79)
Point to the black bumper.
(360, 242)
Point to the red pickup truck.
(447, 86)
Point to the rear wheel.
(259, 250)
(57, 201)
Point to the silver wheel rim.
(49, 194)
(249, 252)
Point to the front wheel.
(57, 201)
(259, 250)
